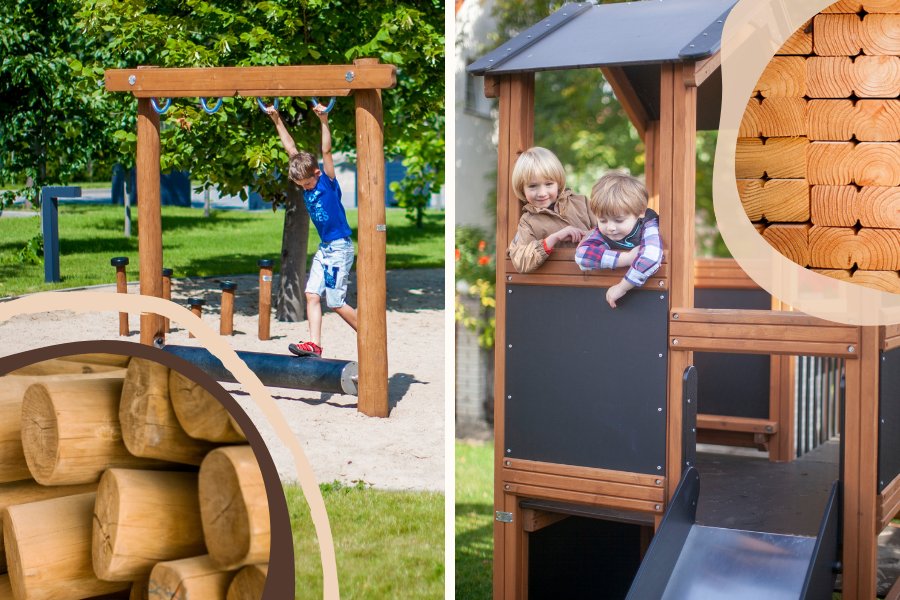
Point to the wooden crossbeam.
(760, 332)
(308, 80)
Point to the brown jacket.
(527, 250)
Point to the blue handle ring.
(262, 105)
(209, 110)
(327, 108)
(164, 108)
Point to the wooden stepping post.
(196, 306)
(120, 262)
(265, 296)
(166, 292)
(226, 318)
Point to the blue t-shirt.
(325, 209)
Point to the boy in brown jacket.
(552, 212)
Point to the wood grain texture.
(71, 431)
(784, 76)
(863, 164)
(774, 117)
(848, 35)
(776, 200)
(189, 578)
(48, 549)
(870, 6)
(800, 41)
(142, 518)
(234, 507)
(790, 240)
(844, 248)
(844, 120)
(200, 413)
(776, 158)
(843, 76)
(150, 427)
(249, 583)
(886, 281)
(845, 206)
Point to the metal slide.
(687, 561)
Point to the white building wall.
(476, 147)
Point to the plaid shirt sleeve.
(593, 253)
(649, 257)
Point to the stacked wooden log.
(122, 479)
(818, 153)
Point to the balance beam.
(279, 370)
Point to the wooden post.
(71, 431)
(149, 215)
(676, 173)
(119, 263)
(234, 507)
(516, 134)
(248, 584)
(861, 468)
(265, 296)
(200, 413)
(148, 422)
(370, 267)
(48, 548)
(226, 316)
(196, 306)
(197, 577)
(142, 518)
(167, 292)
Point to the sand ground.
(404, 451)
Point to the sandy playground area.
(404, 451)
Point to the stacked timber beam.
(120, 478)
(818, 156)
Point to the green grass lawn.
(228, 242)
(474, 520)
(387, 544)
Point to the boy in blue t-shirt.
(330, 269)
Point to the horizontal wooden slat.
(582, 498)
(602, 488)
(776, 158)
(889, 503)
(740, 439)
(535, 520)
(566, 273)
(843, 163)
(774, 117)
(729, 423)
(891, 337)
(589, 473)
(721, 273)
(886, 281)
(776, 200)
(843, 120)
(843, 247)
(843, 76)
(310, 80)
(759, 332)
(847, 34)
(844, 205)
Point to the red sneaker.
(305, 349)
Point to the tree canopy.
(55, 106)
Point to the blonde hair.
(537, 163)
(618, 194)
(302, 165)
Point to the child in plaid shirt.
(627, 233)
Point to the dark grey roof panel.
(629, 33)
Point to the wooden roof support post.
(370, 267)
(676, 164)
(149, 215)
(516, 134)
(861, 467)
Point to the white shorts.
(330, 271)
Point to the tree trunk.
(291, 303)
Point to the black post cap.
(166, 272)
(119, 261)
(265, 262)
(196, 302)
(228, 286)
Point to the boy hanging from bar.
(330, 270)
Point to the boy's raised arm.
(286, 140)
(327, 159)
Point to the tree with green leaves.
(237, 146)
